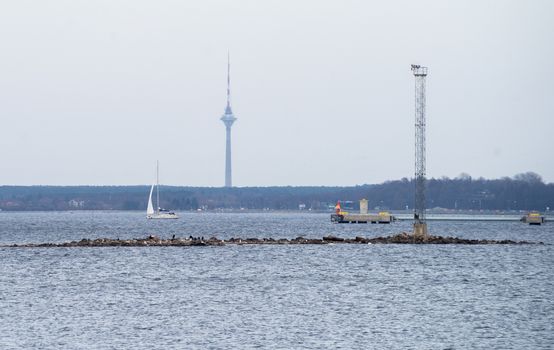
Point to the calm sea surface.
(271, 297)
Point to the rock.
(333, 239)
(315, 241)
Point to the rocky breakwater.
(408, 238)
(150, 241)
(154, 241)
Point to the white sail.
(150, 209)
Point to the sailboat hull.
(163, 216)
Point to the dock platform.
(533, 218)
(362, 218)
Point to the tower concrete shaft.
(420, 73)
(228, 119)
(228, 169)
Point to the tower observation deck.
(228, 119)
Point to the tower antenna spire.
(228, 78)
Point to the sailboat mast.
(158, 186)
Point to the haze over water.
(274, 297)
(93, 92)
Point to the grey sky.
(93, 92)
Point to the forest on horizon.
(525, 191)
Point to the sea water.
(272, 297)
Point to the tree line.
(524, 191)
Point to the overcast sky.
(94, 92)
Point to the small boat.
(159, 213)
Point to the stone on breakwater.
(333, 239)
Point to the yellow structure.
(363, 206)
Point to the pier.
(458, 217)
(482, 218)
(384, 218)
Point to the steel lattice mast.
(420, 73)
(228, 119)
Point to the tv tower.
(228, 119)
(420, 226)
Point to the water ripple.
(271, 297)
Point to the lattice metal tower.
(228, 119)
(420, 73)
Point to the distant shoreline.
(468, 194)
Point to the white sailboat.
(159, 213)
